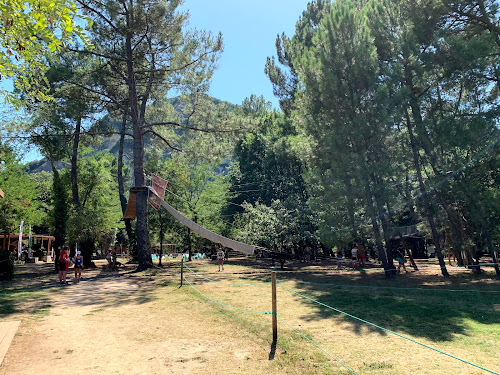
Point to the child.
(339, 260)
(401, 260)
(78, 266)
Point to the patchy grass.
(458, 316)
(17, 297)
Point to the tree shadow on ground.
(98, 287)
(410, 306)
(421, 304)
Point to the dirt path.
(121, 324)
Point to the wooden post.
(182, 270)
(275, 316)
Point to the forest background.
(388, 124)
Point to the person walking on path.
(63, 265)
(78, 266)
(220, 259)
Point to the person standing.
(113, 260)
(339, 259)
(362, 256)
(220, 258)
(78, 266)
(401, 260)
(354, 256)
(108, 257)
(63, 265)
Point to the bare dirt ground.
(115, 323)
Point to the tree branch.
(162, 138)
(186, 127)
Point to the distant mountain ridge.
(112, 142)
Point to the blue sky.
(249, 29)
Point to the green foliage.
(100, 211)
(31, 30)
(198, 190)
(21, 193)
(6, 265)
(270, 199)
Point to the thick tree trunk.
(423, 191)
(142, 231)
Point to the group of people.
(111, 258)
(64, 263)
(358, 257)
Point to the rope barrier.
(402, 288)
(476, 265)
(270, 313)
(220, 282)
(387, 330)
(225, 305)
(316, 345)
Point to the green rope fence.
(226, 305)
(220, 282)
(387, 330)
(337, 310)
(269, 313)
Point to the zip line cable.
(386, 330)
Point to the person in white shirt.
(354, 256)
(220, 258)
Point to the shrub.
(6, 265)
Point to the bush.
(6, 265)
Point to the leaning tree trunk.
(376, 231)
(142, 232)
(121, 190)
(425, 198)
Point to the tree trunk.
(74, 165)
(376, 231)
(60, 213)
(121, 185)
(142, 232)
(423, 191)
